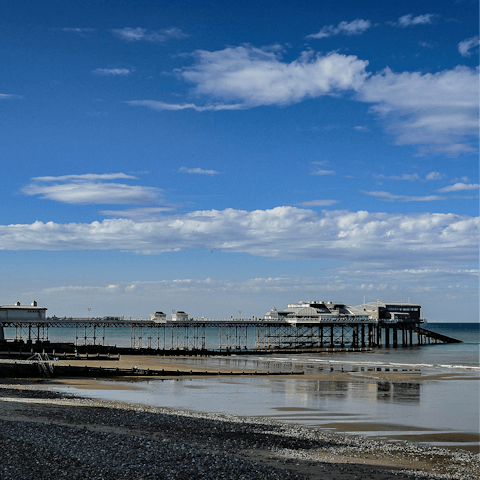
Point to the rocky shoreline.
(49, 435)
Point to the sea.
(436, 403)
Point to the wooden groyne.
(42, 366)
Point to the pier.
(234, 335)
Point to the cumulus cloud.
(355, 27)
(92, 189)
(141, 34)
(465, 46)
(257, 76)
(283, 232)
(438, 112)
(197, 171)
(459, 187)
(409, 20)
(112, 71)
(390, 197)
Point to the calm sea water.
(414, 407)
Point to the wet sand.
(187, 364)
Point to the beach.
(120, 429)
(46, 434)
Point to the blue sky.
(215, 157)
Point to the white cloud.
(355, 27)
(159, 106)
(410, 241)
(405, 176)
(390, 197)
(112, 71)
(84, 177)
(434, 176)
(246, 77)
(257, 76)
(409, 20)
(426, 44)
(6, 96)
(197, 171)
(437, 111)
(320, 171)
(412, 177)
(459, 187)
(465, 46)
(92, 189)
(77, 30)
(95, 193)
(141, 34)
(317, 203)
(360, 128)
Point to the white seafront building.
(17, 311)
(334, 311)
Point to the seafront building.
(22, 312)
(333, 311)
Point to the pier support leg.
(331, 337)
(395, 337)
(387, 337)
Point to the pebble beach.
(46, 434)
